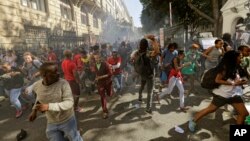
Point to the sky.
(134, 8)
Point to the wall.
(15, 19)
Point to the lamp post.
(186, 23)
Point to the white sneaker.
(2, 98)
(179, 129)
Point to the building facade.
(32, 24)
(234, 12)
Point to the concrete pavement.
(128, 121)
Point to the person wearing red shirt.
(77, 59)
(115, 63)
(71, 75)
(52, 56)
(103, 81)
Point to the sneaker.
(19, 113)
(168, 96)
(2, 98)
(184, 109)
(149, 111)
(187, 93)
(138, 105)
(191, 125)
(80, 130)
(21, 135)
(157, 97)
(140, 101)
(178, 129)
(160, 88)
(105, 115)
(79, 109)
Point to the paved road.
(127, 121)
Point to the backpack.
(208, 79)
(14, 82)
(141, 64)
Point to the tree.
(194, 13)
(188, 16)
(215, 19)
(156, 12)
(153, 14)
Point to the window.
(65, 2)
(95, 21)
(24, 2)
(83, 16)
(69, 33)
(34, 4)
(66, 9)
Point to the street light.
(186, 24)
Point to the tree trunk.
(200, 12)
(215, 8)
(216, 20)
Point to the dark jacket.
(149, 69)
(104, 70)
(14, 82)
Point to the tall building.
(32, 24)
(117, 24)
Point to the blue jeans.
(28, 98)
(66, 131)
(118, 81)
(14, 97)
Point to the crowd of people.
(53, 85)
